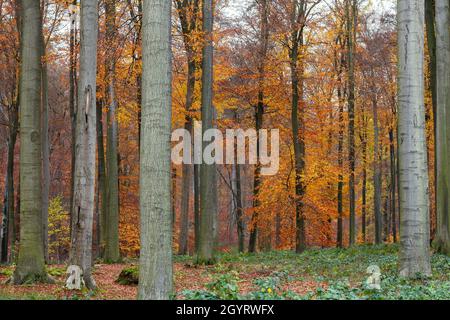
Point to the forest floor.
(333, 274)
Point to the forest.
(224, 150)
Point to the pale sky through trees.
(234, 8)
(224, 150)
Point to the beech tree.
(85, 144)
(189, 14)
(111, 253)
(208, 174)
(413, 175)
(351, 17)
(31, 260)
(263, 45)
(442, 239)
(155, 265)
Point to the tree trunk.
(197, 206)
(8, 225)
(239, 206)
(393, 185)
(208, 174)
(259, 114)
(351, 12)
(298, 129)
(86, 144)
(111, 254)
(377, 175)
(185, 197)
(188, 12)
(45, 149)
(414, 256)
(31, 260)
(364, 184)
(341, 94)
(155, 270)
(72, 99)
(102, 204)
(442, 239)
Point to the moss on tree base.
(129, 276)
(205, 261)
(441, 246)
(31, 278)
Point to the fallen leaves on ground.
(186, 277)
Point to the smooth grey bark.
(86, 144)
(414, 257)
(208, 174)
(31, 260)
(155, 265)
(111, 253)
(442, 238)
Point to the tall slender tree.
(377, 172)
(45, 143)
(341, 91)
(72, 93)
(351, 17)
(155, 271)
(208, 174)
(111, 253)
(86, 144)
(414, 256)
(31, 260)
(298, 19)
(188, 11)
(263, 9)
(442, 239)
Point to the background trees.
(322, 72)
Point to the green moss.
(129, 276)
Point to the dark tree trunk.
(351, 12)
(102, 204)
(259, 117)
(8, 232)
(393, 184)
